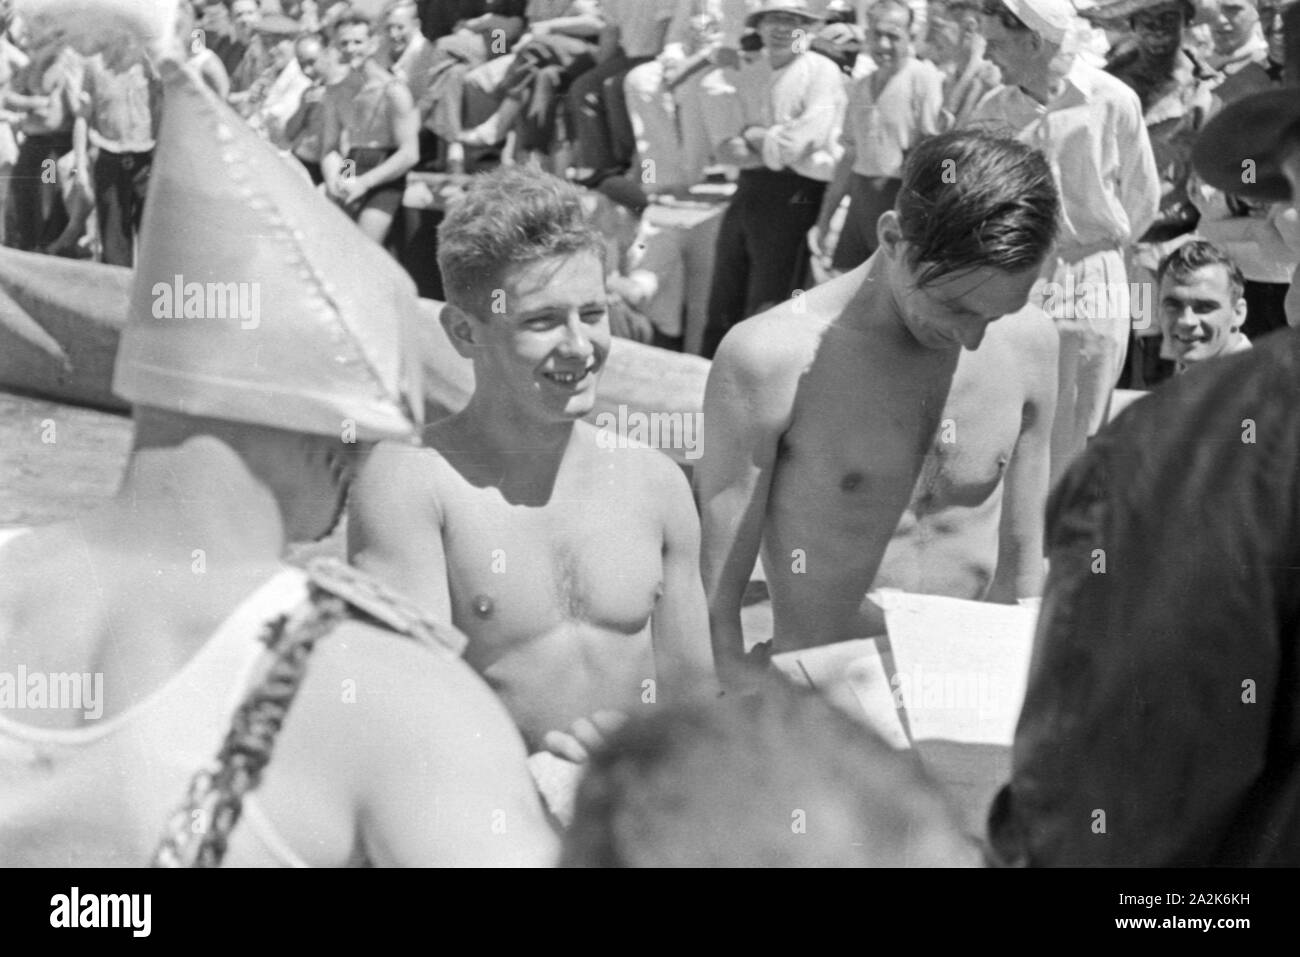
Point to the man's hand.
(585, 736)
(41, 108)
(817, 237)
(346, 189)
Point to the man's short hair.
(409, 6)
(511, 216)
(1196, 255)
(971, 199)
(879, 7)
(353, 19)
(779, 779)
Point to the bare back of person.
(554, 570)
(110, 595)
(94, 595)
(889, 471)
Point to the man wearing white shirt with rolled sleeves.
(792, 101)
(1089, 125)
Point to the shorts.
(386, 197)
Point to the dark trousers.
(762, 251)
(602, 123)
(121, 180)
(869, 197)
(1265, 308)
(39, 216)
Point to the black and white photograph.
(651, 434)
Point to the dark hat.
(1240, 148)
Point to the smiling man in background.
(572, 565)
(1202, 305)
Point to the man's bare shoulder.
(398, 468)
(390, 684)
(773, 344)
(399, 484)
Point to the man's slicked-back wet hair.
(971, 199)
(511, 216)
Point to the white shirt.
(639, 22)
(1095, 139)
(802, 105)
(880, 130)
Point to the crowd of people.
(1008, 205)
(810, 108)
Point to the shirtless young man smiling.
(883, 428)
(573, 568)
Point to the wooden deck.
(56, 460)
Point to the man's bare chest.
(515, 571)
(901, 438)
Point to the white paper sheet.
(961, 666)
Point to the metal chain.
(198, 833)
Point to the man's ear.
(462, 329)
(889, 233)
(1239, 314)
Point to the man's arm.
(85, 106)
(585, 21)
(1024, 492)
(929, 111)
(436, 767)
(395, 527)
(835, 193)
(1139, 180)
(746, 418)
(331, 163)
(812, 129)
(680, 626)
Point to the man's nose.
(576, 341)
